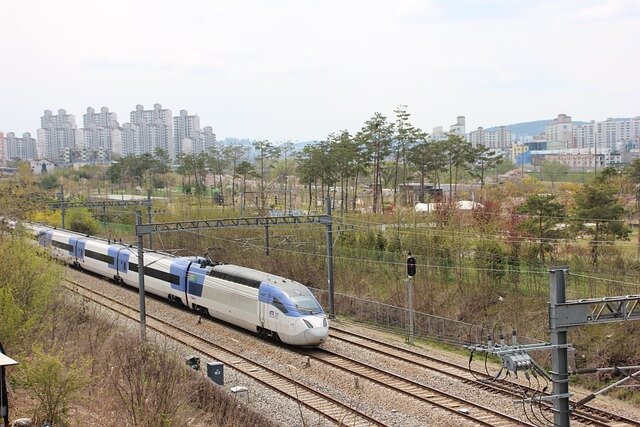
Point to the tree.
(160, 168)
(315, 163)
(266, 153)
(244, 169)
(553, 170)
(286, 148)
(632, 170)
(459, 153)
(543, 215)
(29, 285)
(428, 158)
(215, 159)
(485, 159)
(49, 181)
(404, 137)
(377, 134)
(346, 155)
(596, 204)
(234, 153)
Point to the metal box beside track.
(215, 372)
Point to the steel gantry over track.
(565, 314)
(63, 205)
(266, 222)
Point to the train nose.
(316, 335)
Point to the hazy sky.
(300, 69)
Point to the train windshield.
(306, 304)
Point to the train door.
(80, 250)
(121, 260)
(72, 246)
(263, 307)
(269, 316)
(179, 269)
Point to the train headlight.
(306, 322)
(324, 322)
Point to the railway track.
(317, 401)
(585, 414)
(478, 414)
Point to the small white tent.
(463, 205)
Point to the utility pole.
(149, 216)
(141, 274)
(559, 360)
(62, 207)
(329, 224)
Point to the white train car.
(269, 305)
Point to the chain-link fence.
(425, 325)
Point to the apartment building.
(498, 138)
(56, 136)
(186, 130)
(561, 129)
(3, 149)
(148, 130)
(24, 148)
(101, 135)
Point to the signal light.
(411, 266)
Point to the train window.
(307, 304)
(280, 306)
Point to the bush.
(82, 221)
(53, 384)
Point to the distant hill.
(530, 128)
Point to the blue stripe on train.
(113, 253)
(196, 279)
(72, 244)
(80, 248)
(267, 292)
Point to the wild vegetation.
(488, 265)
(78, 367)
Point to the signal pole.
(411, 271)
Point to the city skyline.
(300, 70)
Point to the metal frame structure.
(565, 314)
(63, 205)
(142, 229)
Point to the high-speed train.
(270, 305)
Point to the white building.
(610, 134)
(208, 138)
(148, 130)
(615, 133)
(458, 128)
(561, 129)
(24, 148)
(437, 134)
(101, 135)
(3, 149)
(56, 135)
(583, 136)
(498, 138)
(185, 131)
(39, 167)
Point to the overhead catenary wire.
(542, 272)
